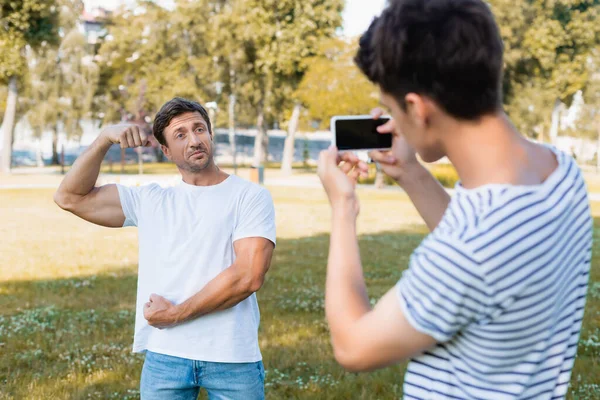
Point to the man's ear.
(417, 109)
(167, 152)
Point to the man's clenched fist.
(127, 135)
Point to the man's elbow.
(64, 201)
(249, 283)
(254, 283)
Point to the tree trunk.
(232, 132)
(288, 147)
(555, 121)
(55, 158)
(261, 141)
(8, 126)
(38, 154)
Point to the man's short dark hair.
(172, 109)
(448, 50)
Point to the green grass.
(67, 294)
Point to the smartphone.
(359, 133)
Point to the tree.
(547, 46)
(24, 23)
(79, 76)
(278, 38)
(588, 125)
(41, 94)
(61, 85)
(334, 85)
(152, 51)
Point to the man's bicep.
(253, 260)
(384, 336)
(254, 250)
(102, 206)
(257, 218)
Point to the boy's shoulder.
(492, 210)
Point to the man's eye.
(179, 136)
(200, 129)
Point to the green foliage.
(24, 22)
(61, 85)
(333, 85)
(547, 48)
(279, 38)
(445, 174)
(150, 57)
(589, 123)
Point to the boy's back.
(501, 285)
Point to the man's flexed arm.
(77, 194)
(244, 277)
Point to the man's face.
(414, 126)
(189, 142)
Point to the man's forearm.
(346, 298)
(82, 176)
(426, 193)
(225, 291)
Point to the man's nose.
(194, 139)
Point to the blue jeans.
(173, 378)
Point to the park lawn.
(67, 295)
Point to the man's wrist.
(104, 139)
(179, 313)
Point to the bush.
(444, 173)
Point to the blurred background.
(269, 72)
(272, 73)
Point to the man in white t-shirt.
(492, 301)
(205, 246)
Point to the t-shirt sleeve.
(130, 202)
(256, 217)
(443, 290)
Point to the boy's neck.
(492, 151)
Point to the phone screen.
(359, 134)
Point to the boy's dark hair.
(447, 50)
(172, 109)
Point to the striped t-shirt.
(501, 285)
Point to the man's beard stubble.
(195, 168)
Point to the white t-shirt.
(186, 236)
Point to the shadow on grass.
(71, 338)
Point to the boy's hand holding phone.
(338, 173)
(400, 160)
